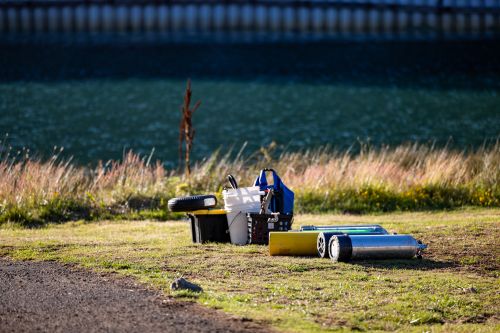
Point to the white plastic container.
(238, 202)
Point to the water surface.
(97, 98)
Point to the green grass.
(454, 289)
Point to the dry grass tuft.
(407, 177)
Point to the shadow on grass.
(415, 264)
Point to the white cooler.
(238, 202)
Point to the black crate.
(209, 228)
(259, 226)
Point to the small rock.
(471, 290)
(182, 283)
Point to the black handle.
(232, 181)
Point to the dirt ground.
(52, 297)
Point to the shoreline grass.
(453, 289)
(409, 177)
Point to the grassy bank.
(404, 178)
(453, 289)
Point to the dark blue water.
(99, 97)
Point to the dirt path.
(52, 297)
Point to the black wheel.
(322, 245)
(192, 203)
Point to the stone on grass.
(183, 284)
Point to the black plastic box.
(209, 226)
(259, 226)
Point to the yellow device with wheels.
(293, 243)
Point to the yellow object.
(208, 212)
(293, 243)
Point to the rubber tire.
(323, 243)
(192, 203)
